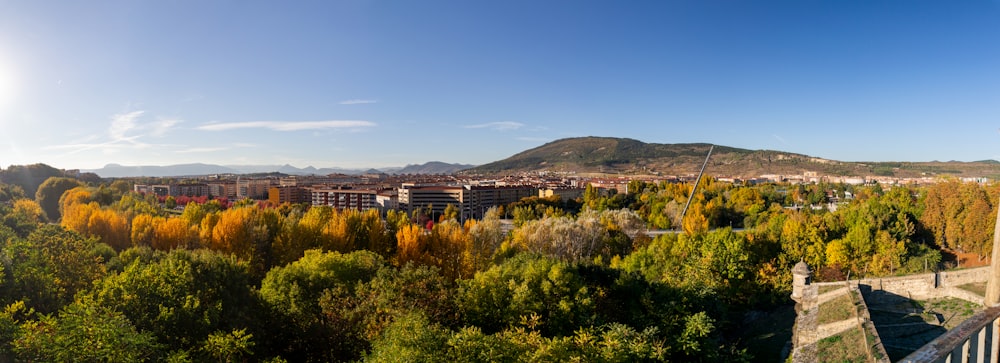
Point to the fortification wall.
(962, 277)
(914, 286)
(920, 286)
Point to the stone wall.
(922, 286)
(962, 277)
(919, 287)
(875, 348)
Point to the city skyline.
(366, 84)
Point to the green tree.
(182, 297)
(411, 338)
(526, 285)
(49, 193)
(294, 292)
(84, 332)
(28, 177)
(24, 217)
(170, 202)
(229, 347)
(451, 212)
(393, 293)
(10, 192)
(49, 267)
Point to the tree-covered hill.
(619, 155)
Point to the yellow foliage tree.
(837, 253)
(75, 196)
(889, 254)
(76, 216)
(111, 227)
(234, 232)
(206, 229)
(446, 248)
(143, 229)
(28, 210)
(410, 245)
(174, 233)
(695, 222)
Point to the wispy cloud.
(780, 139)
(357, 102)
(288, 125)
(122, 123)
(124, 133)
(161, 127)
(108, 147)
(498, 126)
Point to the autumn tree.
(24, 217)
(562, 237)
(451, 212)
(412, 245)
(144, 229)
(110, 227)
(171, 233)
(485, 238)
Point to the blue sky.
(390, 83)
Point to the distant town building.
(564, 193)
(387, 199)
(471, 201)
(288, 194)
(341, 199)
(164, 190)
(252, 188)
(193, 190)
(225, 189)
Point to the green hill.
(608, 155)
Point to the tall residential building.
(252, 188)
(224, 189)
(341, 199)
(193, 190)
(471, 201)
(288, 194)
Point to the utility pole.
(696, 182)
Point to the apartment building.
(564, 193)
(252, 188)
(342, 198)
(472, 201)
(289, 194)
(193, 190)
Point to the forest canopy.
(571, 280)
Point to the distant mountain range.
(119, 171)
(608, 155)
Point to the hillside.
(433, 167)
(120, 171)
(627, 156)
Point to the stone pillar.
(993, 282)
(800, 279)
